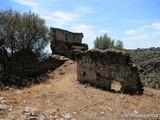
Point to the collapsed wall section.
(101, 68)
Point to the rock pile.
(4, 107)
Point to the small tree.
(22, 31)
(105, 42)
(119, 44)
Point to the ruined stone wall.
(66, 36)
(66, 43)
(100, 68)
(68, 49)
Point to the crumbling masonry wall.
(66, 43)
(66, 36)
(100, 68)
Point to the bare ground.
(61, 97)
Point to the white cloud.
(56, 18)
(103, 31)
(83, 10)
(29, 3)
(156, 34)
(64, 16)
(140, 37)
(59, 18)
(156, 26)
(129, 32)
(145, 27)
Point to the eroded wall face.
(66, 36)
(101, 68)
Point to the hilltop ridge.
(148, 61)
(60, 96)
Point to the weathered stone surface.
(100, 68)
(66, 36)
(66, 43)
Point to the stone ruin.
(66, 43)
(101, 68)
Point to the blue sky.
(135, 22)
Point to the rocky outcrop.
(148, 61)
(66, 43)
(101, 68)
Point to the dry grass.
(61, 94)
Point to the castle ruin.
(101, 68)
(66, 43)
(66, 36)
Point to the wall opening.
(116, 86)
(97, 76)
